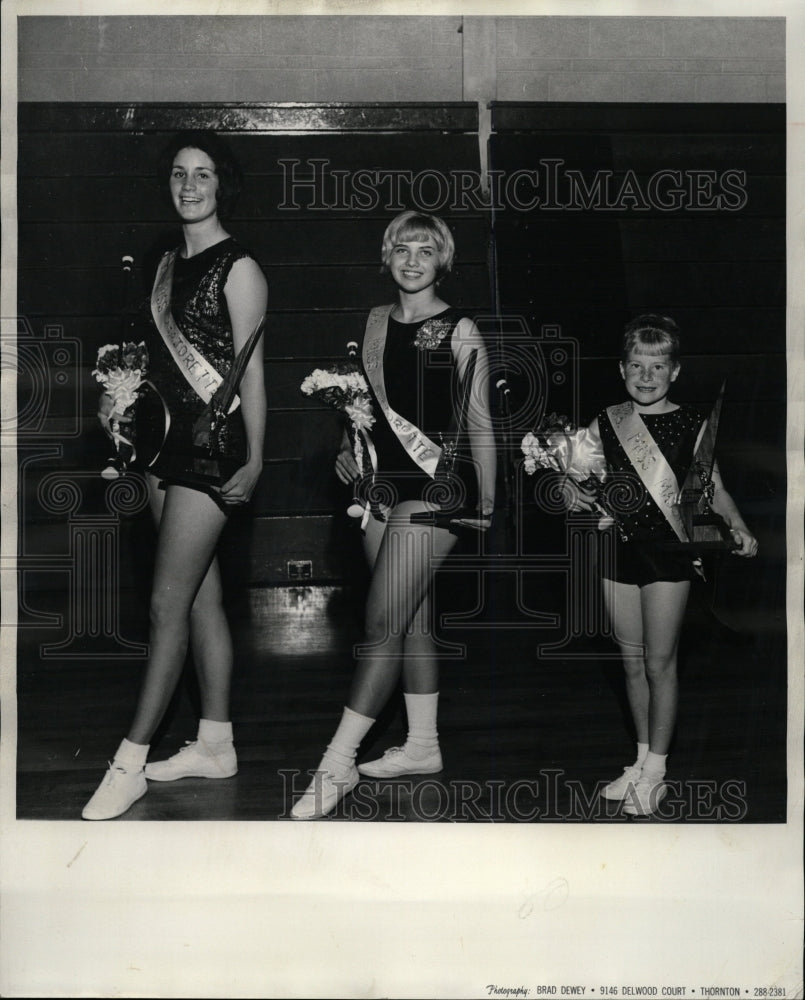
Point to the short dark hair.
(655, 333)
(230, 175)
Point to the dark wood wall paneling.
(720, 273)
(87, 196)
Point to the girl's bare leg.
(190, 524)
(404, 557)
(663, 606)
(647, 622)
(624, 607)
(210, 637)
(189, 528)
(397, 611)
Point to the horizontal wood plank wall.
(713, 258)
(87, 196)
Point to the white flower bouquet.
(344, 387)
(121, 370)
(576, 453)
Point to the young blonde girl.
(646, 587)
(414, 354)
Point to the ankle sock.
(654, 766)
(210, 731)
(423, 736)
(642, 751)
(131, 756)
(339, 757)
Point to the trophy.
(706, 530)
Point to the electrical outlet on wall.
(300, 569)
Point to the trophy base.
(708, 532)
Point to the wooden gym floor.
(526, 736)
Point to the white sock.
(654, 766)
(423, 736)
(339, 757)
(210, 731)
(131, 756)
(642, 750)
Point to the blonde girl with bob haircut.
(426, 366)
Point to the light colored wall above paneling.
(380, 58)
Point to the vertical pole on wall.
(479, 83)
(501, 375)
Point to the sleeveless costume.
(199, 308)
(639, 560)
(422, 385)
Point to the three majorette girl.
(427, 368)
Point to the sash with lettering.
(649, 463)
(418, 445)
(199, 373)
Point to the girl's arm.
(724, 505)
(466, 340)
(246, 296)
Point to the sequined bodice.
(419, 375)
(199, 307)
(675, 433)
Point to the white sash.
(200, 374)
(649, 463)
(418, 446)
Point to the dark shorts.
(640, 564)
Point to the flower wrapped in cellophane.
(574, 452)
(121, 370)
(344, 387)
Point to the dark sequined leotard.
(199, 307)
(640, 560)
(422, 386)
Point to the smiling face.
(194, 185)
(414, 265)
(648, 377)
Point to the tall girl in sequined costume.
(646, 587)
(419, 356)
(217, 295)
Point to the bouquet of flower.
(121, 370)
(574, 452)
(344, 387)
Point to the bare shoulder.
(246, 271)
(246, 289)
(467, 334)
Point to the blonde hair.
(654, 334)
(418, 226)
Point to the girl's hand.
(106, 413)
(747, 543)
(239, 489)
(482, 519)
(574, 497)
(479, 523)
(346, 468)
